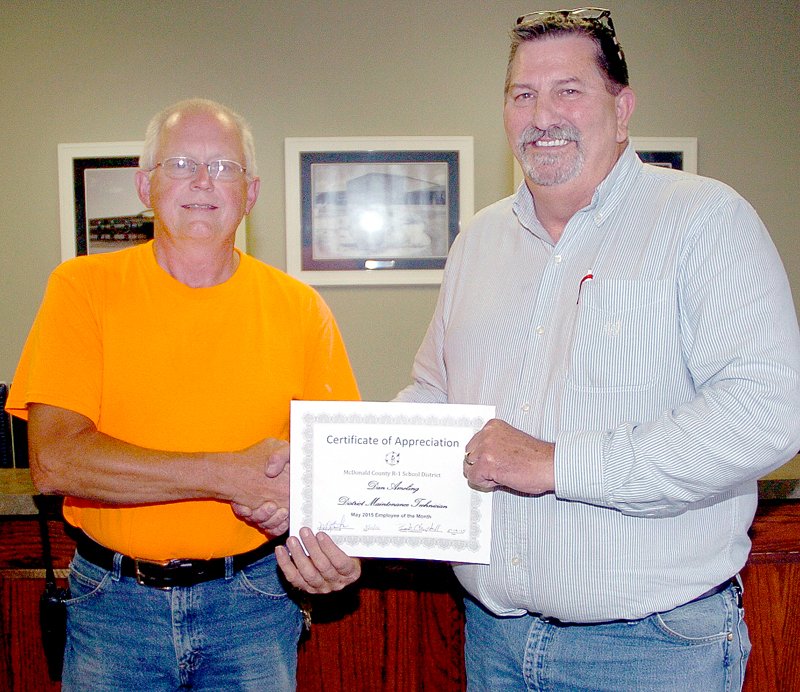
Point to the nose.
(544, 113)
(202, 179)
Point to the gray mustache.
(534, 134)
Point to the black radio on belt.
(53, 622)
(53, 601)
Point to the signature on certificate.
(420, 528)
(335, 525)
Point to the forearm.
(95, 466)
(69, 456)
(697, 451)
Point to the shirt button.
(557, 259)
(540, 330)
(515, 561)
(526, 407)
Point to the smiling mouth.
(551, 142)
(199, 206)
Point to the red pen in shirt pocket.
(589, 276)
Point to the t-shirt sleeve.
(329, 374)
(61, 362)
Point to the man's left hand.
(321, 568)
(268, 518)
(500, 455)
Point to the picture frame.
(670, 152)
(375, 210)
(99, 208)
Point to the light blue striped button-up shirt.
(669, 382)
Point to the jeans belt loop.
(116, 567)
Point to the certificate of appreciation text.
(387, 479)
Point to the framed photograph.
(671, 152)
(100, 210)
(375, 210)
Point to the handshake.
(310, 562)
(264, 501)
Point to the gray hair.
(609, 56)
(147, 159)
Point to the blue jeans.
(235, 633)
(701, 646)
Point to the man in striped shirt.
(634, 328)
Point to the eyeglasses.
(183, 168)
(597, 15)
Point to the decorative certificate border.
(469, 538)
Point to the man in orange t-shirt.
(157, 381)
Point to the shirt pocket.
(623, 335)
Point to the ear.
(143, 187)
(253, 188)
(625, 105)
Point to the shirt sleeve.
(329, 374)
(741, 346)
(60, 363)
(429, 374)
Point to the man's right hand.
(271, 516)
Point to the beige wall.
(96, 71)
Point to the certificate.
(387, 479)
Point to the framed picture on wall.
(100, 210)
(670, 152)
(375, 210)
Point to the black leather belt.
(169, 573)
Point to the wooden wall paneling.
(28, 669)
(772, 599)
(772, 610)
(401, 629)
(23, 667)
(441, 650)
(345, 636)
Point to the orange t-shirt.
(164, 366)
